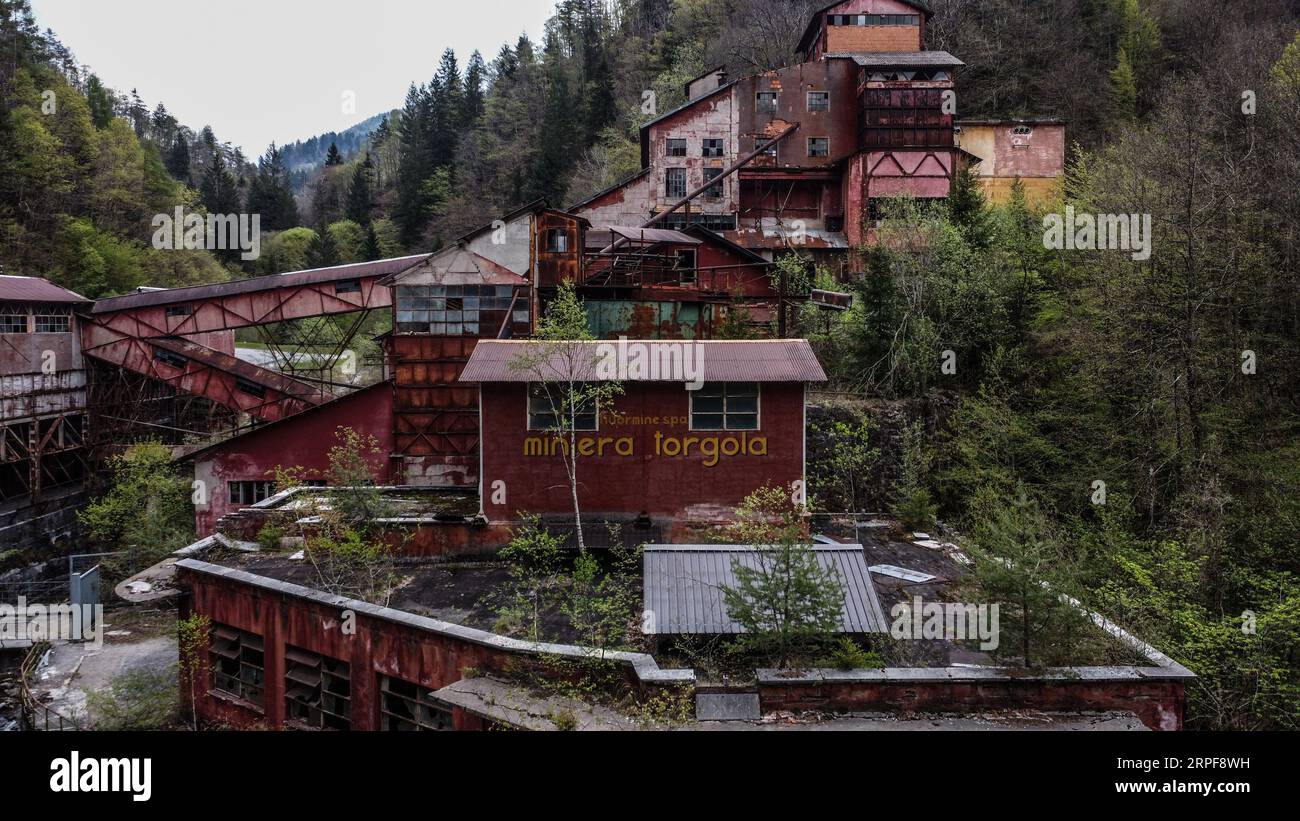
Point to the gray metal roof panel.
(682, 587)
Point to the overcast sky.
(263, 70)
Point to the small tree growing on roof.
(561, 367)
(785, 601)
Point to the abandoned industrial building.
(749, 169)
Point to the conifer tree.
(322, 251)
(360, 200)
(333, 157)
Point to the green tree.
(1021, 565)
(360, 200)
(146, 513)
(785, 601)
(561, 366)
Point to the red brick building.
(660, 450)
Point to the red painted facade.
(303, 441)
(638, 461)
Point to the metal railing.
(32, 713)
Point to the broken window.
(178, 310)
(549, 409)
(557, 240)
(686, 266)
(675, 183)
(452, 309)
(348, 286)
(725, 406)
(766, 102)
(712, 148)
(819, 146)
(676, 147)
(713, 191)
(409, 707)
(819, 101)
(237, 662)
(317, 690)
(13, 323)
(250, 492)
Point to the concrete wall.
(1037, 159)
(1156, 695)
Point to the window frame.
(9, 322)
(530, 395)
(423, 698)
(716, 190)
(717, 150)
(825, 95)
(757, 413)
(760, 96)
(303, 663)
(553, 234)
(249, 692)
(826, 141)
(266, 487)
(672, 144)
(669, 175)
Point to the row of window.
(317, 688)
(873, 19)
(710, 147)
(16, 323)
(766, 101)
(456, 310)
(675, 183)
(714, 406)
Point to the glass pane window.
(551, 408)
(13, 323)
(819, 101)
(725, 406)
(675, 147)
(675, 182)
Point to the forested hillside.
(1131, 425)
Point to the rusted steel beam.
(199, 371)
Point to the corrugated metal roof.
(759, 360)
(682, 586)
(171, 296)
(902, 59)
(34, 289)
(653, 235)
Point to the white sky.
(263, 70)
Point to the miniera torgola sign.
(709, 448)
